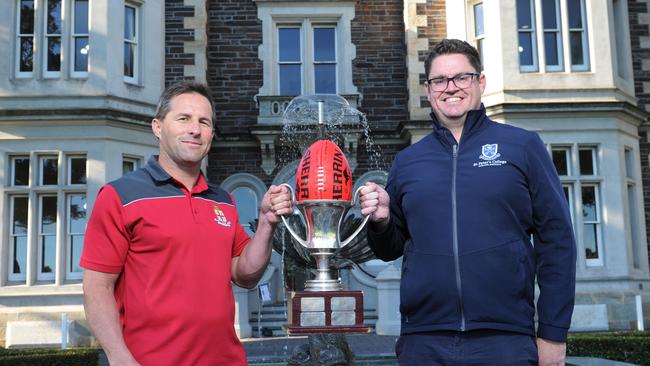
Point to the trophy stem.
(323, 280)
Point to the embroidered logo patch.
(220, 217)
(489, 155)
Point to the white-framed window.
(577, 166)
(18, 236)
(52, 38)
(562, 35)
(479, 30)
(19, 171)
(25, 38)
(307, 48)
(79, 38)
(47, 228)
(76, 217)
(130, 164)
(51, 193)
(131, 43)
(246, 201)
(633, 217)
(527, 35)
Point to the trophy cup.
(322, 196)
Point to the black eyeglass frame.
(453, 79)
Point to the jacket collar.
(474, 120)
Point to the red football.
(323, 174)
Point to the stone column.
(388, 316)
(242, 325)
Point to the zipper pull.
(455, 150)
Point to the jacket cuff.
(552, 333)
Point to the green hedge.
(49, 357)
(632, 347)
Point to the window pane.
(324, 44)
(550, 46)
(21, 171)
(77, 171)
(290, 80)
(566, 193)
(325, 79)
(525, 49)
(81, 16)
(19, 225)
(549, 14)
(246, 202)
(479, 48)
(48, 253)
(127, 166)
(77, 219)
(589, 238)
(589, 204)
(577, 57)
(54, 17)
(478, 19)
(524, 19)
(129, 23)
(81, 54)
(76, 246)
(20, 254)
(560, 161)
(575, 13)
(26, 54)
(586, 161)
(129, 59)
(49, 171)
(289, 44)
(27, 16)
(48, 215)
(53, 54)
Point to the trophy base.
(323, 285)
(326, 312)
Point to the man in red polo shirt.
(162, 247)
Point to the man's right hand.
(375, 202)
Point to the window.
(80, 38)
(247, 207)
(47, 215)
(562, 22)
(130, 164)
(633, 217)
(479, 30)
(131, 35)
(52, 42)
(312, 54)
(582, 183)
(25, 40)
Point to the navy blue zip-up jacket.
(462, 214)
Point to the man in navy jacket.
(461, 206)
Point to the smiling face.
(184, 133)
(452, 104)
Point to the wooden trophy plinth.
(326, 312)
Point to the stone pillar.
(388, 316)
(242, 325)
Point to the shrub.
(632, 347)
(49, 357)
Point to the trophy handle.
(358, 230)
(295, 235)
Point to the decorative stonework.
(415, 45)
(198, 46)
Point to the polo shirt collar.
(160, 175)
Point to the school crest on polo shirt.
(220, 218)
(489, 155)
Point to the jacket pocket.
(428, 289)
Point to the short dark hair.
(453, 46)
(183, 87)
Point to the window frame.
(593, 262)
(334, 62)
(136, 41)
(68, 169)
(479, 39)
(41, 176)
(11, 276)
(558, 31)
(46, 36)
(19, 36)
(12, 174)
(69, 255)
(301, 62)
(40, 252)
(533, 36)
(584, 37)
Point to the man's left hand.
(276, 202)
(551, 353)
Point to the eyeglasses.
(461, 81)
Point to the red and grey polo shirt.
(173, 250)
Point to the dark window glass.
(525, 49)
(26, 54)
(289, 44)
(575, 13)
(589, 203)
(590, 241)
(54, 54)
(21, 172)
(549, 14)
(560, 161)
(129, 59)
(550, 46)
(129, 23)
(81, 16)
(290, 80)
(19, 225)
(50, 171)
(127, 166)
(577, 56)
(324, 44)
(27, 16)
(524, 19)
(566, 193)
(586, 161)
(54, 16)
(48, 216)
(78, 171)
(20, 254)
(325, 78)
(76, 246)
